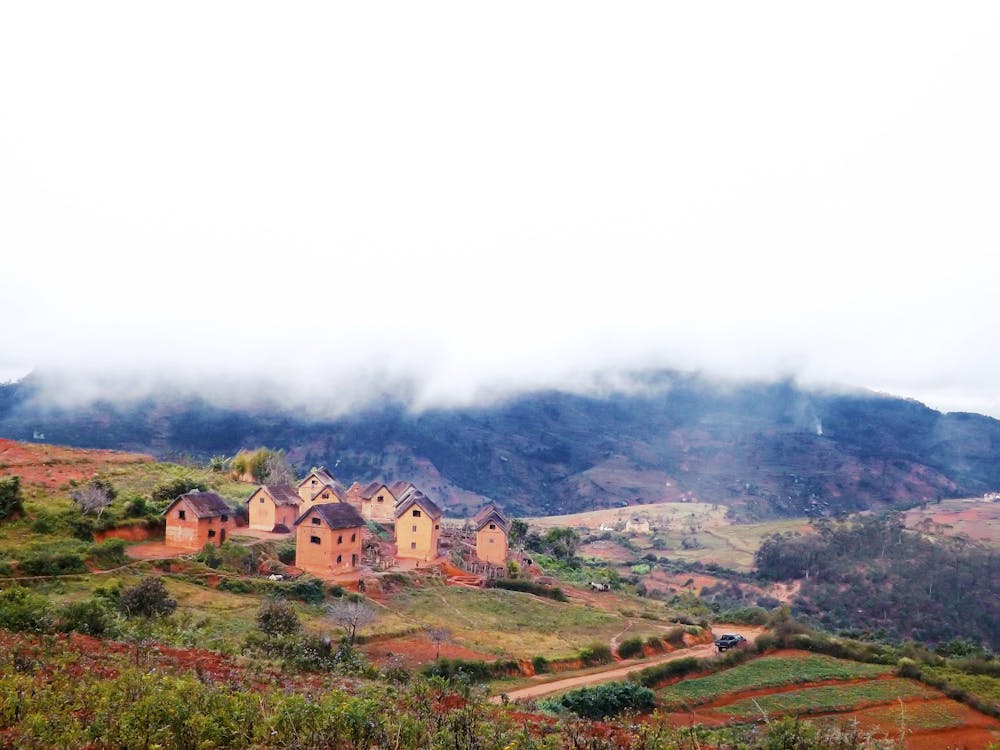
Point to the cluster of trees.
(873, 576)
(11, 499)
(263, 465)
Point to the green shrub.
(171, 490)
(24, 611)
(675, 636)
(43, 524)
(11, 498)
(286, 552)
(109, 554)
(653, 676)
(148, 598)
(51, 564)
(630, 647)
(278, 617)
(470, 670)
(306, 589)
(908, 668)
(529, 587)
(541, 664)
(91, 617)
(604, 701)
(242, 586)
(597, 653)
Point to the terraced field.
(795, 683)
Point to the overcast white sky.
(494, 196)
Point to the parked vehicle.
(729, 640)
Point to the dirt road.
(615, 672)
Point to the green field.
(510, 623)
(922, 716)
(827, 698)
(767, 672)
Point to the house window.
(437, 526)
(225, 518)
(316, 521)
(314, 539)
(491, 540)
(492, 526)
(261, 501)
(340, 539)
(416, 514)
(413, 545)
(211, 533)
(182, 514)
(413, 528)
(354, 537)
(340, 558)
(380, 499)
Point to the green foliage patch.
(827, 698)
(765, 672)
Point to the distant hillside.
(765, 449)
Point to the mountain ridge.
(765, 449)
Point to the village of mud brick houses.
(343, 534)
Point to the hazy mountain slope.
(763, 448)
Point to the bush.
(630, 647)
(654, 676)
(286, 553)
(908, 668)
(148, 598)
(308, 590)
(90, 617)
(109, 553)
(23, 611)
(278, 618)
(470, 671)
(529, 587)
(52, 564)
(541, 664)
(11, 499)
(169, 491)
(604, 701)
(595, 654)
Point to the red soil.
(415, 651)
(135, 533)
(52, 466)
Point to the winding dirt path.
(615, 672)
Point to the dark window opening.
(316, 521)
(416, 514)
(182, 514)
(211, 533)
(314, 539)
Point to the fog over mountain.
(762, 448)
(452, 204)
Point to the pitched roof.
(203, 504)
(398, 489)
(370, 491)
(336, 487)
(355, 489)
(322, 475)
(416, 497)
(336, 515)
(281, 494)
(491, 512)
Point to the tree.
(148, 598)
(177, 487)
(518, 532)
(276, 469)
(11, 500)
(278, 617)
(94, 497)
(561, 542)
(351, 616)
(438, 636)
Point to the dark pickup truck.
(729, 640)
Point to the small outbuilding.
(328, 540)
(196, 519)
(273, 507)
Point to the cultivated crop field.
(774, 671)
(794, 683)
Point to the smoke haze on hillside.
(446, 204)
